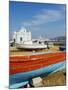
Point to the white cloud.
(45, 16)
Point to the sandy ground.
(56, 79)
(16, 52)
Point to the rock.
(37, 82)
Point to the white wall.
(26, 37)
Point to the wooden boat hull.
(20, 64)
(21, 79)
(31, 46)
(24, 68)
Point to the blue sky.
(42, 19)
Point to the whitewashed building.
(22, 37)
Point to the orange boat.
(24, 68)
(20, 64)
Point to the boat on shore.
(20, 64)
(31, 46)
(24, 68)
(20, 79)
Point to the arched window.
(20, 38)
(14, 40)
(40, 42)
